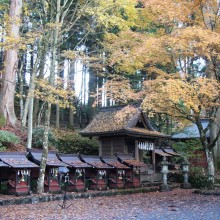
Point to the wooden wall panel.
(106, 147)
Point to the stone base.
(186, 186)
(165, 188)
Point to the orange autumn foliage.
(180, 97)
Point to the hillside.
(21, 134)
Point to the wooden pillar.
(153, 158)
(112, 146)
(125, 146)
(100, 147)
(49, 177)
(136, 151)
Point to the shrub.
(200, 182)
(37, 140)
(70, 142)
(7, 138)
(176, 177)
(198, 179)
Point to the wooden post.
(153, 158)
(49, 178)
(136, 151)
(100, 147)
(16, 177)
(112, 146)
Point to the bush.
(7, 138)
(200, 182)
(70, 142)
(198, 179)
(176, 177)
(37, 140)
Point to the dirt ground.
(178, 204)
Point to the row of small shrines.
(81, 172)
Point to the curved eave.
(123, 132)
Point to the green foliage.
(73, 143)
(187, 148)
(7, 138)
(37, 141)
(2, 148)
(2, 121)
(3, 187)
(176, 177)
(198, 179)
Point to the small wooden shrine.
(98, 173)
(126, 130)
(51, 180)
(17, 171)
(77, 173)
(117, 177)
(133, 175)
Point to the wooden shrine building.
(78, 171)
(126, 130)
(133, 176)
(99, 172)
(17, 169)
(117, 178)
(51, 180)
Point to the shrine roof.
(161, 153)
(16, 160)
(120, 120)
(94, 161)
(112, 161)
(52, 160)
(170, 151)
(73, 160)
(129, 160)
(2, 164)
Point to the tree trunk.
(54, 40)
(30, 95)
(42, 63)
(57, 114)
(30, 123)
(213, 133)
(207, 149)
(21, 90)
(71, 74)
(211, 167)
(7, 88)
(31, 102)
(40, 182)
(92, 90)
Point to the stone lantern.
(164, 170)
(185, 170)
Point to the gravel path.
(177, 205)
